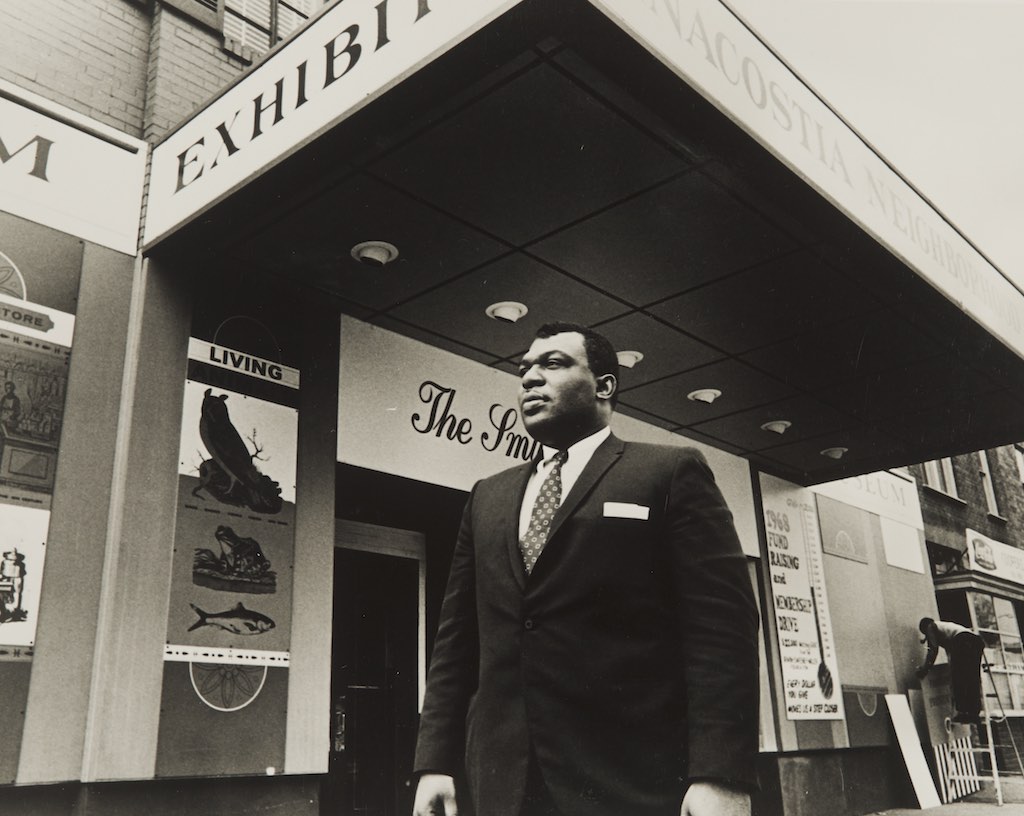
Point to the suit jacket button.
(528, 623)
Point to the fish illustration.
(238, 621)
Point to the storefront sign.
(454, 428)
(885, 494)
(54, 163)
(714, 52)
(991, 557)
(20, 315)
(412, 410)
(232, 360)
(341, 61)
(504, 432)
(803, 625)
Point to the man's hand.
(435, 796)
(707, 798)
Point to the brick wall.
(89, 55)
(140, 67)
(187, 67)
(946, 518)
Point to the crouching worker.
(964, 649)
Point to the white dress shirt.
(579, 455)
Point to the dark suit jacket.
(627, 659)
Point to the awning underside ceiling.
(605, 192)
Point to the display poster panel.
(810, 672)
(231, 582)
(35, 348)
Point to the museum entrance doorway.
(376, 670)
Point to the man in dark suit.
(597, 651)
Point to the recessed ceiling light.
(707, 395)
(508, 310)
(779, 426)
(375, 253)
(628, 359)
(834, 453)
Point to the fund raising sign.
(806, 646)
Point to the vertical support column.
(307, 745)
(124, 699)
(56, 710)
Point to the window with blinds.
(261, 24)
(938, 474)
(985, 472)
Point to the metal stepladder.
(988, 718)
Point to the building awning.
(649, 170)
(979, 582)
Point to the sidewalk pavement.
(982, 803)
(960, 809)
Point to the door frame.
(374, 538)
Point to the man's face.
(558, 391)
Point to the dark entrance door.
(373, 685)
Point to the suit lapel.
(604, 457)
(512, 527)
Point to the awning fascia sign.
(703, 42)
(69, 172)
(348, 56)
(883, 493)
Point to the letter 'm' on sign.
(42, 157)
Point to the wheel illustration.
(227, 687)
(11, 282)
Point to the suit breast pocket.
(620, 548)
(626, 510)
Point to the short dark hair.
(924, 624)
(601, 356)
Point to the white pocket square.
(626, 510)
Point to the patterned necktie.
(547, 502)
